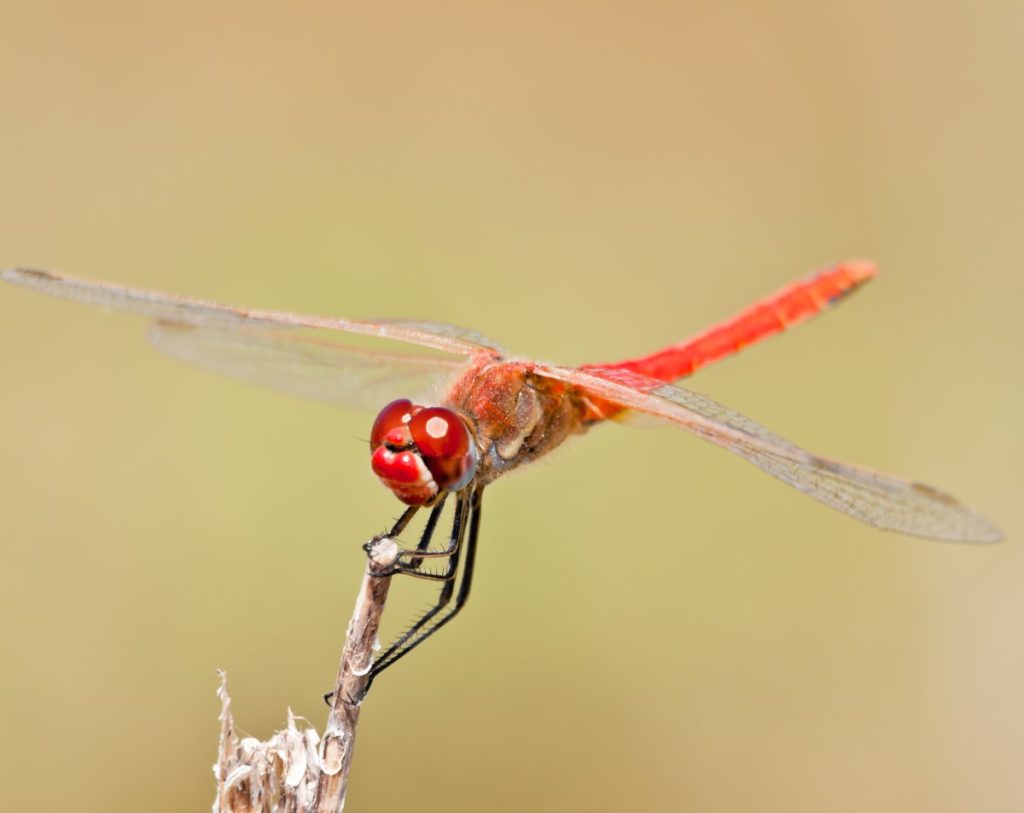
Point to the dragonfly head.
(419, 451)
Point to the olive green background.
(656, 625)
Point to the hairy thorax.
(517, 415)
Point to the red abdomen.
(788, 306)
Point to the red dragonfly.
(496, 413)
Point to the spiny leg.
(409, 561)
(403, 520)
(416, 635)
(428, 532)
(467, 573)
(425, 537)
(448, 577)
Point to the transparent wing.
(288, 352)
(881, 500)
(320, 371)
(185, 311)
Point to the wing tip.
(976, 529)
(984, 534)
(988, 534)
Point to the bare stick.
(289, 773)
(353, 677)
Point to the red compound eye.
(395, 415)
(439, 432)
(417, 451)
(446, 446)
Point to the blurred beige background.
(656, 625)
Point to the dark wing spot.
(934, 493)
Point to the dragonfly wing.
(470, 340)
(316, 370)
(882, 500)
(186, 311)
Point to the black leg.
(448, 576)
(428, 532)
(403, 520)
(466, 507)
(406, 564)
(409, 561)
(428, 624)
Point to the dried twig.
(289, 773)
(353, 677)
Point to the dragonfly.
(492, 413)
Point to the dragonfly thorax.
(517, 415)
(418, 452)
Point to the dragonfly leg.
(410, 561)
(440, 614)
(421, 548)
(401, 522)
(427, 535)
(467, 507)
